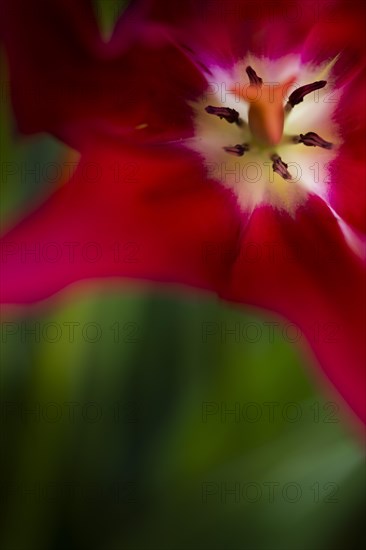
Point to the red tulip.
(222, 147)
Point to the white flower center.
(267, 130)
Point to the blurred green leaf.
(151, 372)
(107, 12)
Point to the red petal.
(149, 214)
(302, 269)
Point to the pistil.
(266, 112)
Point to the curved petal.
(66, 81)
(145, 213)
(302, 269)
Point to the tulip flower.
(221, 147)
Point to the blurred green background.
(151, 427)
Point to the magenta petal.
(143, 213)
(302, 268)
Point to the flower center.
(259, 129)
(266, 116)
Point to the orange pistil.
(266, 111)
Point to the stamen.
(311, 139)
(254, 79)
(280, 167)
(237, 150)
(224, 112)
(298, 95)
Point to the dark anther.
(224, 112)
(253, 77)
(280, 167)
(298, 95)
(237, 150)
(311, 139)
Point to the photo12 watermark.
(270, 412)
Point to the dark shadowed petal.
(66, 81)
(49, 46)
(222, 31)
